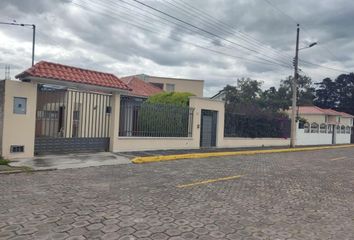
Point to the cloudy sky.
(215, 40)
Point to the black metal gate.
(70, 121)
(208, 128)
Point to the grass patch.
(4, 161)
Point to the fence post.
(114, 123)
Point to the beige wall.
(122, 144)
(314, 118)
(231, 142)
(181, 85)
(114, 124)
(19, 128)
(127, 144)
(346, 121)
(207, 104)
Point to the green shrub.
(163, 120)
(173, 98)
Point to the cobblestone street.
(303, 195)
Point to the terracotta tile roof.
(331, 112)
(346, 115)
(140, 87)
(310, 110)
(320, 111)
(61, 72)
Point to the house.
(56, 108)
(323, 126)
(140, 88)
(221, 95)
(167, 84)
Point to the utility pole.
(33, 42)
(7, 72)
(25, 25)
(294, 89)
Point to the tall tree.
(306, 91)
(337, 94)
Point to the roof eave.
(81, 86)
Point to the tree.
(337, 94)
(306, 91)
(244, 97)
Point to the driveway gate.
(71, 121)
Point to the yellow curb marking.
(209, 181)
(239, 153)
(339, 158)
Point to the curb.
(150, 159)
(27, 171)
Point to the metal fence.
(142, 119)
(237, 125)
(71, 121)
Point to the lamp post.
(25, 25)
(294, 88)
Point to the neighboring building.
(323, 126)
(175, 84)
(140, 88)
(221, 95)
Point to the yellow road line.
(209, 181)
(238, 153)
(339, 158)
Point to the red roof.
(310, 110)
(140, 87)
(61, 72)
(320, 111)
(346, 115)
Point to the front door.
(208, 128)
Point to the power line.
(206, 15)
(176, 39)
(322, 46)
(329, 68)
(109, 7)
(192, 30)
(189, 10)
(201, 29)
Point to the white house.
(323, 126)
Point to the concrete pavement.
(301, 195)
(78, 160)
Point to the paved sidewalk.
(79, 160)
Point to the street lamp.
(309, 46)
(294, 88)
(14, 23)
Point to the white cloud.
(105, 39)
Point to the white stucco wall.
(303, 138)
(343, 138)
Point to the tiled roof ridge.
(74, 67)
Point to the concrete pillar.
(114, 122)
(19, 128)
(208, 104)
